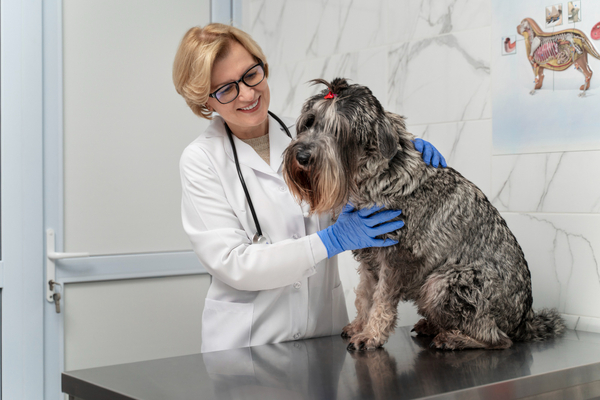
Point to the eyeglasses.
(230, 91)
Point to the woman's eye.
(227, 89)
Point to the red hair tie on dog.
(330, 95)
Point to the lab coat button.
(297, 336)
(295, 236)
(297, 285)
(306, 214)
(281, 189)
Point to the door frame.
(22, 200)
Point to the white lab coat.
(260, 293)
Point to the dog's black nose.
(303, 156)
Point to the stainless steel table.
(322, 368)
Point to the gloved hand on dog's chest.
(431, 155)
(358, 229)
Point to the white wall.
(430, 61)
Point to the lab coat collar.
(278, 141)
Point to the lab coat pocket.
(226, 325)
(339, 315)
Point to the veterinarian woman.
(288, 288)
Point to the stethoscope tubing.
(237, 166)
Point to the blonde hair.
(196, 55)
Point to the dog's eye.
(310, 120)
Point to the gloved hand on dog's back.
(358, 229)
(431, 155)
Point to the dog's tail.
(589, 46)
(541, 325)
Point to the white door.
(21, 222)
(114, 129)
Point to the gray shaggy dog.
(455, 259)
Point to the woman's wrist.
(319, 251)
(330, 242)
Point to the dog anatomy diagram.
(557, 51)
(544, 93)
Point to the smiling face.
(246, 116)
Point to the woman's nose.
(246, 93)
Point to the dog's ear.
(387, 139)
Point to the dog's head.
(529, 29)
(341, 133)
(523, 27)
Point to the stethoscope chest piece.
(260, 239)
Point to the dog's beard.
(323, 185)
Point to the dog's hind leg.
(488, 336)
(456, 340)
(383, 313)
(456, 299)
(364, 300)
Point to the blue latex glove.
(431, 155)
(356, 229)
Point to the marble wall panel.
(275, 25)
(563, 252)
(351, 25)
(441, 79)
(290, 86)
(588, 324)
(465, 145)
(417, 19)
(298, 30)
(547, 182)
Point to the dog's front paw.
(363, 341)
(351, 329)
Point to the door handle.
(51, 257)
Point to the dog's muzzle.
(303, 155)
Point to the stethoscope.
(258, 237)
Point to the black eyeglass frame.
(237, 83)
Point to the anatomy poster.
(545, 75)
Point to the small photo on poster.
(574, 11)
(554, 15)
(509, 45)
